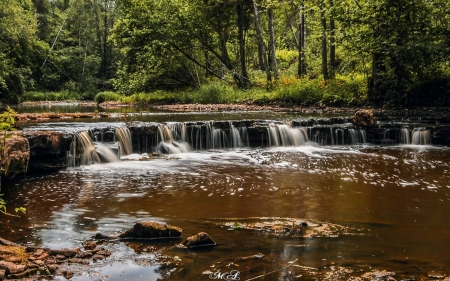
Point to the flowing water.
(390, 204)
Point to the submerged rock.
(201, 239)
(152, 230)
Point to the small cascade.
(235, 137)
(363, 135)
(84, 152)
(421, 137)
(405, 136)
(285, 135)
(340, 137)
(123, 137)
(353, 136)
(172, 139)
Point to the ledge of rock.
(14, 160)
(47, 150)
(201, 239)
(151, 230)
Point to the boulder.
(152, 230)
(201, 239)
(14, 160)
(64, 253)
(363, 118)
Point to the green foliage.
(22, 210)
(7, 120)
(50, 96)
(106, 96)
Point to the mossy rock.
(152, 230)
(201, 239)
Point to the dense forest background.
(380, 52)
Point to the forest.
(307, 52)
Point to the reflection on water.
(396, 197)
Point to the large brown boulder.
(152, 230)
(363, 118)
(16, 155)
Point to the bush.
(50, 96)
(106, 96)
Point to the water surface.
(393, 201)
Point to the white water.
(286, 135)
(123, 137)
(88, 153)
(421, 137)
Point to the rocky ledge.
(15, 156)
(18, 262)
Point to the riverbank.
(53, 111)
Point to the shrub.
(106, 96)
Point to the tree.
(18, 41)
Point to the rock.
(52, 268)
(38, 252)
(105, 253)
(68, 274)
(201, 239)
(12, 268)
(47, 150)
(89, 245)
(364, 118)
(5, 242)
(100, 236)
(69, 253)
(98, 257)
(32, 265)
(152, 230)
(39, 262)
(24, 274)
(16, 156)
(84, 255)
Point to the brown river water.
(389, 207)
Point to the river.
(387, 207)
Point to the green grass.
(107, 96)
(350, 90)
(50, 96)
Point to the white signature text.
(232, 275)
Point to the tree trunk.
(244, 81)
(261, 41)
(260, 57)
(302, 44)
(272, 45)
(332, 42)
(207, 59)
(323, 20)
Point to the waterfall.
(170, 143)
(421, 137)
(286, 135)
(123, 137)
(353, 136)
(235, 137)
(340, 137)
(363, 136)
(87, 153)
(405, 136)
